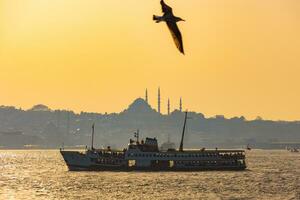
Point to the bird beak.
(183, 20)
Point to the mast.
(93, 130)
(183, 130)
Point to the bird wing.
(175, 32)
(165, 8)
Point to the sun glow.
(241, 56)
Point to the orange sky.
(242, 57)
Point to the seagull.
(171, 21)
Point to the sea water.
(42, 174)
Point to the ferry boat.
(145, 155)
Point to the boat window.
(131, 163)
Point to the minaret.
(168, 106)
(146, 96)
(158, 101)
(180, 105)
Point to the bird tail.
(156, 18)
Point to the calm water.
(42, 174)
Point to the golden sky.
(242, 56)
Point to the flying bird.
(171, 21)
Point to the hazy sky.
(242, 56)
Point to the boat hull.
(77, 161)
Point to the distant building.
(139, 108)
(40, 107)
(167, 145)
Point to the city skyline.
(168, 109)
(157, 108)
